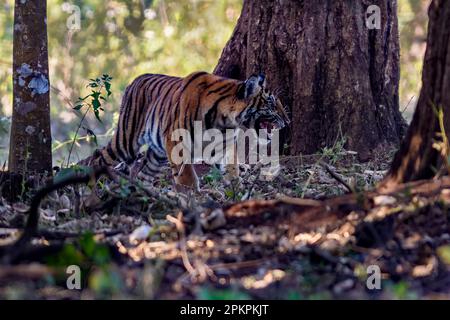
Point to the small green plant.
(100, 92)
(164, 183)
(335, 152)
(94, 260)
(233, 191)
(125, 188)
(85, 252)
(214, 175)
(401, 291)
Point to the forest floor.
(151, 243)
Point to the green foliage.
(125, 188)
(86, 252)
(94, 260)
(214, 294)
(100, 91)
(334, 153)
(214, 175)
(106, 282)
(401, 291)
(74, 170)
(233, 193)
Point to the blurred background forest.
(126, 38)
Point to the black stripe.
(164, 109)
(159, 158)
(211, 115)
(110, 152)
(121, 133)
(215, 82)
(137, 108)
(164, 106)
(188, 115)
(148, 98)
(197, 108)
(138, 111)
(197, 75)
(161, 105)
(177, 106)
(222, 89)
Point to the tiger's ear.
(252, 86)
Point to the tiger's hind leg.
(185, 177)
(147, 165)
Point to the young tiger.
(155, 105)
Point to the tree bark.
(30, 143)
(336, 74)
(417, 158)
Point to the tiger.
(155, 105)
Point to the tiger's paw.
(186, 189)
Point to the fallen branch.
(338, 178)
(304, 214)
(31, 227)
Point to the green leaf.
(108, 88)
(97, 115)
(87, 244)
(229, 193)
(95, 94)
(96, 103)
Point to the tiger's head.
(264, 110)
(247, 104)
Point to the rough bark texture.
(30, 144)
(330, 69)
(417, 158)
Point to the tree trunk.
(417, 157)
(335, 73)
(30, 144)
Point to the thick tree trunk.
(333, 71)
(417, 157)
(30, 144)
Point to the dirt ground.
(147, 242)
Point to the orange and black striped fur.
(155, 105)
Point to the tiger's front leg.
(185, 177)
(232, 163)
(183, 174)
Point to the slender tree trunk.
(418, 158)
(335, 73)
(30, 144)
